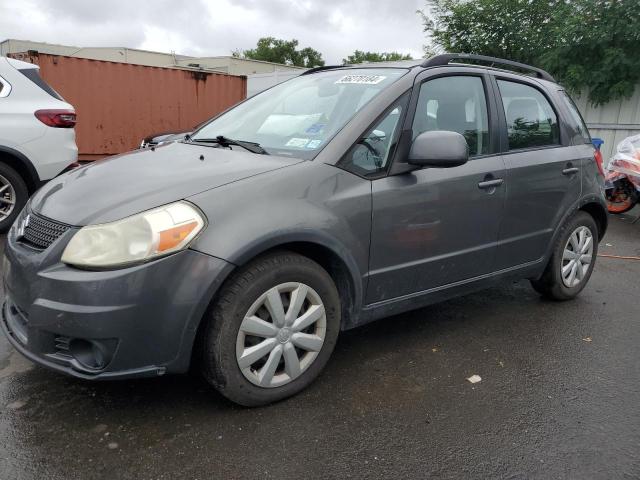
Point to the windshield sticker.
(362, 79)
(297, 142)
(313, 144)
(315, 128)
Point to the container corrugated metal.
(118, 104)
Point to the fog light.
(91, 354)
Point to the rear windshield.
(33, 75)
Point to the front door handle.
(491, 183)
(570, 170)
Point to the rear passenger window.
(456, 104)
(531, 122)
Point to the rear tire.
(572, 260)
(13, 196)
(622, 198)
(251, 293)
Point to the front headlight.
(135, 239)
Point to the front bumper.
(134, 322)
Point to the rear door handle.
(491, 183)
(570, 170)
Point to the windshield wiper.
(225, 142)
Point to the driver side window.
(372, 153)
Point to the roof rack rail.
(445, 59)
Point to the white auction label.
(362, 79)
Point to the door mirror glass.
(440, 149)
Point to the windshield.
(298, 117)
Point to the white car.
(37, 139)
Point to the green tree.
(598, 49)
(366, 57)
(270, 49)
(588, 45)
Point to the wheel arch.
(593, 205)
(335, 259)
(21, 164)
(599, 214)
(340, 266)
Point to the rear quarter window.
(577, 122)
(33, 75)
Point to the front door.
(434, 227)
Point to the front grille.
(41, 232)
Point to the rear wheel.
(272, 329)
(13, 196)
(572, 260)
(622, 198)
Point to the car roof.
(448, 60)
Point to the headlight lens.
(135, 239)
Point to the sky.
(217, 27)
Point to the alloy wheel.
(281, 335)
(7, 198)
(577, 256)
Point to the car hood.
(115, 188)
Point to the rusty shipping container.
(118, 104)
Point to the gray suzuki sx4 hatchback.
(339, 197)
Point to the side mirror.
(440, 149)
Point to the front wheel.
(271, 330)
(572, 260)
(13, 196)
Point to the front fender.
(306, 203)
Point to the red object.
(597, 155)
(57, 118)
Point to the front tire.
(13, 196)
(572, 261)
(271, 330)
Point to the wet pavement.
(559, 398)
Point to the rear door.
(543, 171)
(438, 226)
